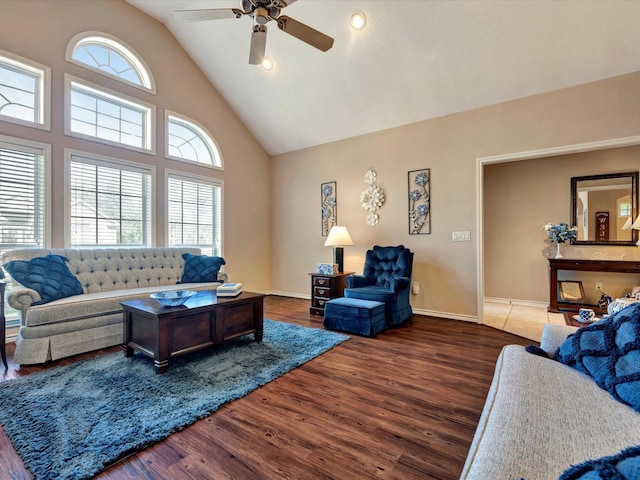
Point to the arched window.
(109, 56)
(186, 140)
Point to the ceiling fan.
(262, 11)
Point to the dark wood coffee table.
(203, 321)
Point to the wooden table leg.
(3, 327)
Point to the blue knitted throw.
(608, 351)
(624, 465)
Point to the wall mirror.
(604, 207)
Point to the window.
(186, 140)
(625, 209)
(195, 212)
(109, 56)
(25, 91)
(110, 202)
(107, 117)
(24, 187)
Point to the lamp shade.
(338, 237)
(635, 226)
(627, 224)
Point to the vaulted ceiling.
(414, 60)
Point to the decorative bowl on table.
(173, 298)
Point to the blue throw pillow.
(609, 352)
(201, 268)
(49, 276)
(624, 465)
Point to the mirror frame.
(634, 207)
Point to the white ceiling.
(415, 60)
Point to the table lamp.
(338, 237)
(636, 226)
(628, 225)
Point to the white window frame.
(37, 148)
(43, 91)
(43, 149)
(187, 177)
(204, 135)
(148, 109)
(95, 159)
(124, 50)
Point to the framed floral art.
(329, 204)
(419, 186)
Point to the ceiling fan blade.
(258, 45)
(286, 3)
(206, 14)
(305, 33)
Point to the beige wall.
(520, 197)
(40, 31)
(272, 209)
(450, 146)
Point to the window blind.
(110, 204)
(21, 199)
(195, 214)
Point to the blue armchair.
(386, 278)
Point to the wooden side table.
(3, 324)
(324, 287)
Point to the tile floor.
(524, 321)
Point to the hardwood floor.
(403, 405)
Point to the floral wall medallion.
(419, 201)
(371, 198)
(328, 193)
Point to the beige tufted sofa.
(93, 320)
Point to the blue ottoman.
(363, 317)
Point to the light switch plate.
(461, 236)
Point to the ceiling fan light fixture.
(261, 15)
(358, 20)
(267, 63)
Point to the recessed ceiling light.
(358, 20)
(267, 63)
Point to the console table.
(613, 266)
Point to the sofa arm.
(22, 298)
(223, 277)
(357, 281)
(400, 283)
(554, 335)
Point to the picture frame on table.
(571, 291)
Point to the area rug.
(71, 422)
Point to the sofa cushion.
(201, 268)
(96, 304)
(48, 275)
(608, 351)
(371, 293)
(624, 465)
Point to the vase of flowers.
(560, 233)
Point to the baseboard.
(448, 315)
(522, 303)
(416, 311)
(289, 294)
